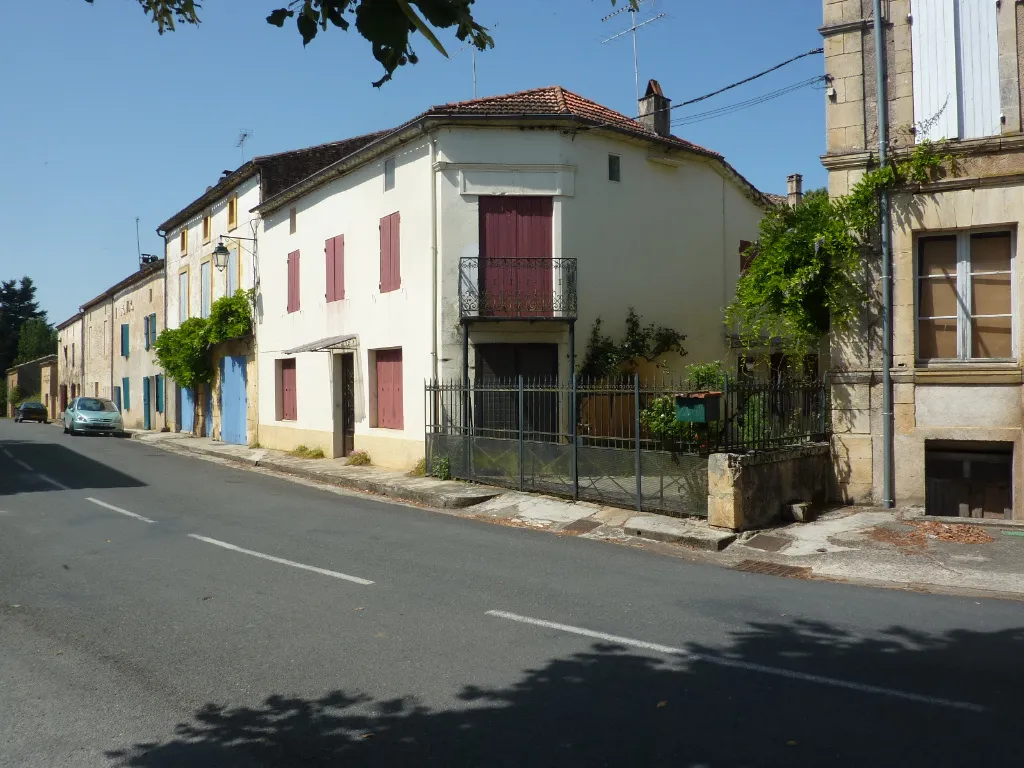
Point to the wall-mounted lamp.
(221, 252)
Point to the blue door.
(188, 410)
(208, 421)
(147, 422)
(232, 400)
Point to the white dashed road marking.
(282, 561)
(118, 509)
(53, 482)
(744, 665)
(23, 465)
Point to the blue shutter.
(126, 390)
(145, 330)
(124, 339)
(152, 326)
(159, 393)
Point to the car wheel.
(65, 427)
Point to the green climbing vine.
(185, 352)
(606, 357)
(806, 271)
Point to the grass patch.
(255, 444)
(303, 452)
(420, 470)
(358, 459)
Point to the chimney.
(654, 110)
(794, 189)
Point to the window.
(125, 340)
(335, 248)
(232, 275)
(389, 388)
(159, 393)
(390, 253)
(232, 213)
(293, 222)
(207, 228)
(965, 297)
(183, 297)
(955, 69)
(65, 354)
(968, 479)
(747, 255)
(183, 241)
(614, 168)
(116, 397)
(389, 174)
(293, 282)
(126, 393)
(287, 401)
(205, 288)
(72, 355)
(145, 331)
(152, 329)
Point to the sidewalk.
(884, 548)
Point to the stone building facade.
(70, 360)
(952, 72)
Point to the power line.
(699, 117)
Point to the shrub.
(358, 459)
(420, 470)
(443, 469)
(304, 452)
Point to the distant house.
(223, 216)
(70, 360)
(25, 381)
(483, 239)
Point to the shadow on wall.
(67, 467)
(608, 706)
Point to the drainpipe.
(433, 258)
(888, 500)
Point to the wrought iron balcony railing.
(514, 288)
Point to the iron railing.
(610, 442)
(512, 288)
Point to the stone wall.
(749, 491)
(236, 347)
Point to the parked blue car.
(92, 414)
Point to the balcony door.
(515, 257)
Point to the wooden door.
(515, 256)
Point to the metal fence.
(610, 442)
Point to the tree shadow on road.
(611, 706)
(69, 468)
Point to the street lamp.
(220, 256)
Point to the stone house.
(48, 385)
(24, 381)
(952, 71)
(222, 216)
(473, 241)
(70, 360)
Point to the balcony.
(517, 289)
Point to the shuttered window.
(125, 340)
(956, 69)
(126, 393)
(152, 328)
(335, 248)
(233, 274)
(289, 400)
(389, 389)
(293, 281)
(390, 253)
(205, 288)
(965, 297)
(145, 331)
(159, 393)
(116, 397)
(182, 297)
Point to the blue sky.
(104, 120)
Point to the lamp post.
(220, 256)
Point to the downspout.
(433, 259)
(888, 500)
(163, 235)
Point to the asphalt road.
(158, 610)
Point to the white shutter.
(933, 37)
(979, 69)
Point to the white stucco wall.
(664, 239)
(351, 206)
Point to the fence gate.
(232, 400)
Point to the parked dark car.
(32, 412)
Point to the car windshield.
(95, 404)
(31, 405)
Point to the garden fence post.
(574, 438)
(636, 426)
(521, 444)
(725, 413)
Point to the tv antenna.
(633, 27)
(243, 136)
(473, 54)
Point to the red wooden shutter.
(339, 268)
(390, 253)
(396, 390)
(331, 267)
(289, 401)
(389, 389)
(293, 281)
(396, 251)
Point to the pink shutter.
(289, 401)
(339, 268)
(396, 251)
(385, 255)
(396, 390)
(331, 267)
(293, 281)
(383, 389)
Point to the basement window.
(614, 168)
(968, 479)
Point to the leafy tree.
(37, 339)
(18, 305)
(386, 24)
